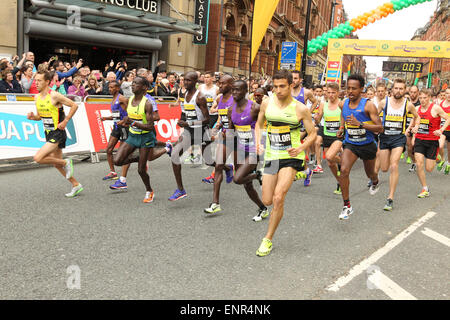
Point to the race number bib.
(279, 137)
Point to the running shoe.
(209, 179)
(68, 168)
(177, 195)
(75, 190)
(265, 248)
(312, 159)
(213, 208)
(189, 160)
(338, 190)
(318, 169)
(230, 174)
(111, 176)
(346, 212)
(402, 156)
(413, 168)
(259, 174)
(300, 175)
(447, 169)
(408, 160)
(423, 194)
(262, 214)
(307, 182)
(374, 189)
(169, 148)
(389, 205)
(196, 159)
(149, 196)
(118, 185)
(440, 165)
(369, 184)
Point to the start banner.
(21, 138)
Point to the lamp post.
(305, 40)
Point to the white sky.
(401, 25)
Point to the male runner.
(284, 154)
(141, 135)
(210, 91)
(377, 99)
(242, 118)
(49, 105)
(361, 121)
(119, 111)
(195, 121)
(414, 94)
(426, 143)
(393, 139)
(330, 112)
(303, 95)
(319, 122)
(445, 105)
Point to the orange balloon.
(391, 10)
(389, 5)
(371, 19)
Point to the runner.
(304, 96)
(380, 96)
(220, 106)
(118, 108)
(210, 91)
(361, 121)
(49, 105)
(242, 118)
(285, 154)
(445, 105)
(319, 122)
(195, 121)
(393, 139)
(227, 142)
(426, 145)
(414, 94)
(141, 133)
(330, 112)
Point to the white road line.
(436, 236)
(389, 287)
(362, 266)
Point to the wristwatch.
(360, 126)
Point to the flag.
(262, 15)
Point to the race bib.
(393, 125)
(332, 124)
(224, 118)
(48, 124)
(245, 135)
(279, 137)
(356, 134)
(424, 126)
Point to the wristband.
(132, 124)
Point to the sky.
(400, 25)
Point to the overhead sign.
(290, 57)
(202, 18)
(399, 66)
(150, 6)
(311, 63)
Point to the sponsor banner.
(417, 49)
(21, 138)
(334, 69)
(202, 18)
(167, 128)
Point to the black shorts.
(392, 142)
(320, 131)
(365, 152)
(274, 166)
(328, 140)
(198, 136)
(447, 135)
(56, 136)
(120, 133)
(429, 148)
(213, 119)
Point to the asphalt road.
(109, 245)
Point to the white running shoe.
(68, 168)
(346, 212)
(262, 214)
(75, 190)
(374, 189)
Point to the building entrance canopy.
(133, 24)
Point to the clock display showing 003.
(398, 66)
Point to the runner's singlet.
(447, 111)
(51, 116)
(353, 134)
(117, 112)
(301, 96)
(192, 111)
(223, 111)
(428, 124)
(211, 95)
(409, 115)
(394, 120)
(245, 127)
(332, 120)
(283, 131)
(137, 114)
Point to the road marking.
(436, 236)
(389, 287)
(362, 266)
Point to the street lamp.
(305, 40)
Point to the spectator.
(93, 87)
(30, 57)
(111, 76)
(163, 89)
(59, 67)
(126, 84)
(156, 90)
(57, 85)
(173, 86)
(27, 78)
(77, 89)
(9, 84)
(84, 74)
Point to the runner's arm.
(374, 115)
(319, 114)
(59, 99)
(414, 124)
(304, 115)
(214, 108)
(149, 126)
(310, 96)
(260, 126)
(342, 126)
(441, 113)
(203, 105)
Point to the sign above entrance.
(202, 18)
(150, 6)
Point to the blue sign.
(311, 63)
(289, 52)
(332, 74)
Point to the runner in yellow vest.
(50, 110)
(285, 153)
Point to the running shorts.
(392, 142)
(365, 152)
(120, 133)
(429, 148)
(56, 136)
(145, 140)
(328, 140)
(447, 135)
(274, 166)
(198, 136)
